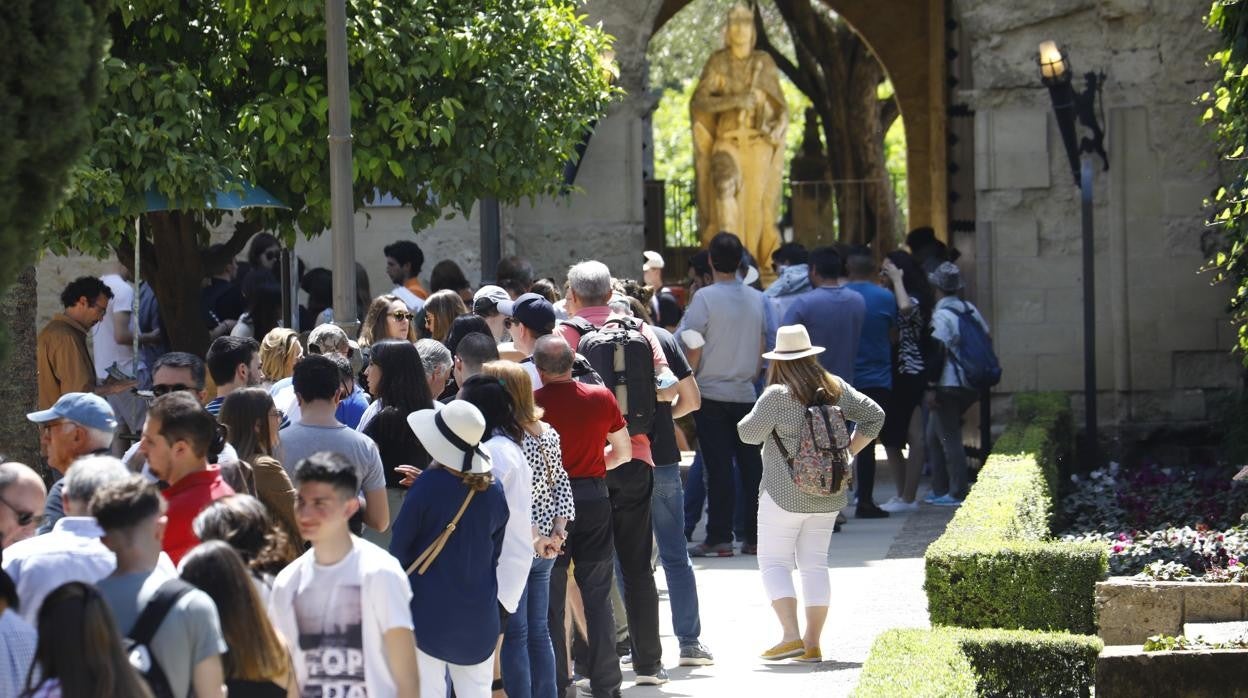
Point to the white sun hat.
(452, 435)
(792, 342)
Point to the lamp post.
(342, 207)
(1069, 106)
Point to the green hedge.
(961, 662)
(995, 567)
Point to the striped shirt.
(910, 337)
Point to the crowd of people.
(469, 493)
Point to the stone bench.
(1129, 611)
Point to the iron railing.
(672, 212)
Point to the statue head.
(739, 30)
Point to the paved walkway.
(877, 584)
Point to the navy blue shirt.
(874, 366)
(454, 603)
(833, 318)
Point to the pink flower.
(1118, 547)
(1122, 536)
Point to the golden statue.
(739, 118)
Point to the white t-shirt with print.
(338, 615)
(103, 336)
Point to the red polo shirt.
(187, 497)
(583, 415)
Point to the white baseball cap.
(654, 260)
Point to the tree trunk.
(840, 75)
(173, 260)
(20, 392)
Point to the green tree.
(1226, 241)
(451, 101)
(50, 62)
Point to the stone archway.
(909, 39)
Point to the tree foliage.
(451, 101)
(1227, 112)
(50, 61)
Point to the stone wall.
(1163, 337)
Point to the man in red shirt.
(631, 486)
(176, 438)
(587, 418)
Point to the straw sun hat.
(792, 342)
(452, 435)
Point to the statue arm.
(706, 98)
(769, 85)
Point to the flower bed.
(1169, 524)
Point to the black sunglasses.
(272, 255)
(158, 390)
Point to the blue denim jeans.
(668, 517)
(528, 657)
(695, 498)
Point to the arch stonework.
(909, 39)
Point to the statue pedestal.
(814, 213)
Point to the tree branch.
(890, 111)
(763, 43)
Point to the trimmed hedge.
(995, 567)
(961, 662)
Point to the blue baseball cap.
(88, 409)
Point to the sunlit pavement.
(877, 584)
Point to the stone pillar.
(812, 204)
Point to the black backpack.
(139, 639)
(622, 356)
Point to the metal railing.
(810, 210)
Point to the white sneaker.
(894, 507)
(891, 500)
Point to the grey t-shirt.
(301, 440)
(190, 633)
(739, 325)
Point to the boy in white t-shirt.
(344, 603)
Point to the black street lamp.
(1069, 106)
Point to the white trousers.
(787, 540)
(471, 681)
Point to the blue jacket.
(454, 604)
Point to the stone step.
(1217, 632)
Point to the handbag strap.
(780, 445)
(541, 448)
(435, 548)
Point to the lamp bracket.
(1090, 111)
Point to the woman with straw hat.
(794, 526)
(449, 535)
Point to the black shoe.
(871, 512)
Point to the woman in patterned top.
(528, 656)
(904, 424)
(795, 528)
